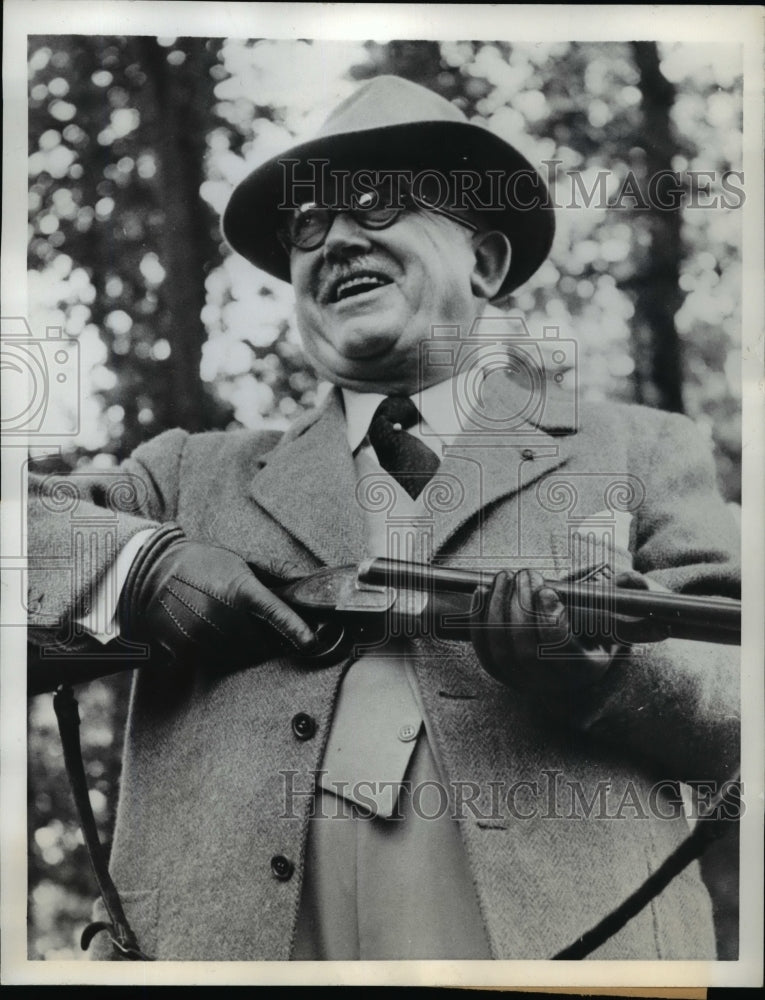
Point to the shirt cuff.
(101, 621)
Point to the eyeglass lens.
(308, 225)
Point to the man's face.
(367, 299)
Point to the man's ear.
(492, 262)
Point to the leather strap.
(120, 932)
(723, 813)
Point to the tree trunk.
(176, 128)
(658, 355)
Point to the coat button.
(303, 726)
(527, 453)
(282, 867)
(407, 733)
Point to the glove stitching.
(175, 620)
(259, 615)
(194, 610)
(273, 625)
(202, 590)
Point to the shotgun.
(368, 603)
(378, 598)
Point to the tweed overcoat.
(568, 814)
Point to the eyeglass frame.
(357, 214)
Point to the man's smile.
(352, 283)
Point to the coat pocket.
(141, 908)
(587, 545)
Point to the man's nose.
(345, 236)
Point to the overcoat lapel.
(307, 484)
(486, 474)
(493, 460)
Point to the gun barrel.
(712, 619)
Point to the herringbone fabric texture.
(408, 459)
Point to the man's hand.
(198, 600)
(523, 637)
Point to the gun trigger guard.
(331, 641)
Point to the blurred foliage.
(135, 146)
(118, 138)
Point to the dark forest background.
(135, 144)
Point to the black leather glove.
(198, 600)
(522, 635)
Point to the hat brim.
(517, 198)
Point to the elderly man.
(420, 797)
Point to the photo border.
(742, 24)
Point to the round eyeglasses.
(307, 226)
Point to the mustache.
(330, 275)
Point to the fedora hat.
(392, 124)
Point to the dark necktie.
(405, 457)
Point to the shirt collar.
(436, 405)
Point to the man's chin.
(365, 347)
(367, 361)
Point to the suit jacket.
(571, 814)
